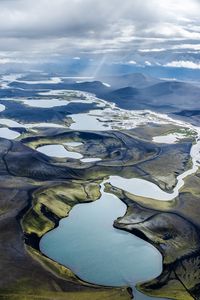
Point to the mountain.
(170, 88)
(128, 98)
(166, 96)
(88, 86)
(96, 87)
(136, 80)
(133, 91)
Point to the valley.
(79, 157)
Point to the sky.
(130, 32)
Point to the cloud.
(195, 47)
(132, 62)
(183, 64)
(128, 31)
(4, 61)
(152, 50)
(148, 63)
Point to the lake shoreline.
(33, 241)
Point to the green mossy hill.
(55, 202)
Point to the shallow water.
(171, 138)
(58, 151)
(85, 121)
(49, 103)
(8, 133)
(12, 123)
(140, 187)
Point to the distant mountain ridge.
(136, 80)
(135, 91)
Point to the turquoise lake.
(88, 244)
